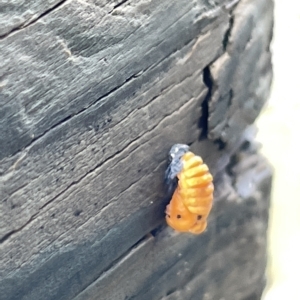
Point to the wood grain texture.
(171, 265)
(92, 96)
(233, 75)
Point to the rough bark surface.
(92, 96)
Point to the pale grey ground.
(279, 133)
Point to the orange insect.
(192, 199)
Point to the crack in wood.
(68, 117)
(189, 277)
(209, 82)
(120, 4)
(34, 20)
(115, 155)
(119, 260)
(62, 254)
(203, 121)
(228, 32)
(165, 90)
(126, 81)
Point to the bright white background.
(279, 132)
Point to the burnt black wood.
(92, 96)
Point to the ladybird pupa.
(192, 199)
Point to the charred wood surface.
(92, 96)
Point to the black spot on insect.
(199, 218)
(169, 216)
(178, 216)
